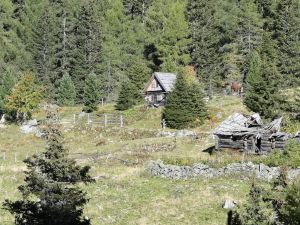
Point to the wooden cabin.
(250, 135)
(158, 88)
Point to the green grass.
(123, 192)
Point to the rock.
(29, 127)
(2, 126)
(179, 134)
(229, 204)
(2, 121)
(81, 115)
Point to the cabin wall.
(249, 144)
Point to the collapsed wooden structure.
(249, 134)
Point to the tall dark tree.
(185, 106)
(287, 35)
(7, 82)
(263, 81)
(91, 93)
(87, 55)
(205, 40)
(137, 8)
(51, 194)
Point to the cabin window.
(159, 97)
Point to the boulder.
(229, 204)
(31, 127)
(2, 121)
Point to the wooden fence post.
(74, 118)
(4, 156)
(15, 156)
(88, 119)
(102, 102)
(121, 121)
(105, 120)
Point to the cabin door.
(258, 143)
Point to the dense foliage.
(128, 39)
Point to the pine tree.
(66, 91)
(51, 194)
(287, 33)
(185, 107)
(297, 103)
(128, 96)
(290, 212)
(24, 99)
(137, 8)
(262, 82)
(91, 94)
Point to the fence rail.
(104, 120)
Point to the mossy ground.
(123, 192)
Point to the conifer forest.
(150, 112)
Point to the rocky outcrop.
(261, 171)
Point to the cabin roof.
(240, 125)
(165, 80)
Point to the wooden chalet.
(249, 134)
(158, 87)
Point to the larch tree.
(7, 82)
(169, 34)
(24, 98)
(51, 194)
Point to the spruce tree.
(66, 93)
(287, 33)
(263, 80)
(128, 96)
(51, 194)
(91, 94)
(185, 107)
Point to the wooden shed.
(158, 87)
(249, 134)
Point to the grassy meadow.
(123, 193)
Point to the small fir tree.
(51, 194)
(24, 98)
(91, 94)
(66, 91)
(185, 106)
(128, 96)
